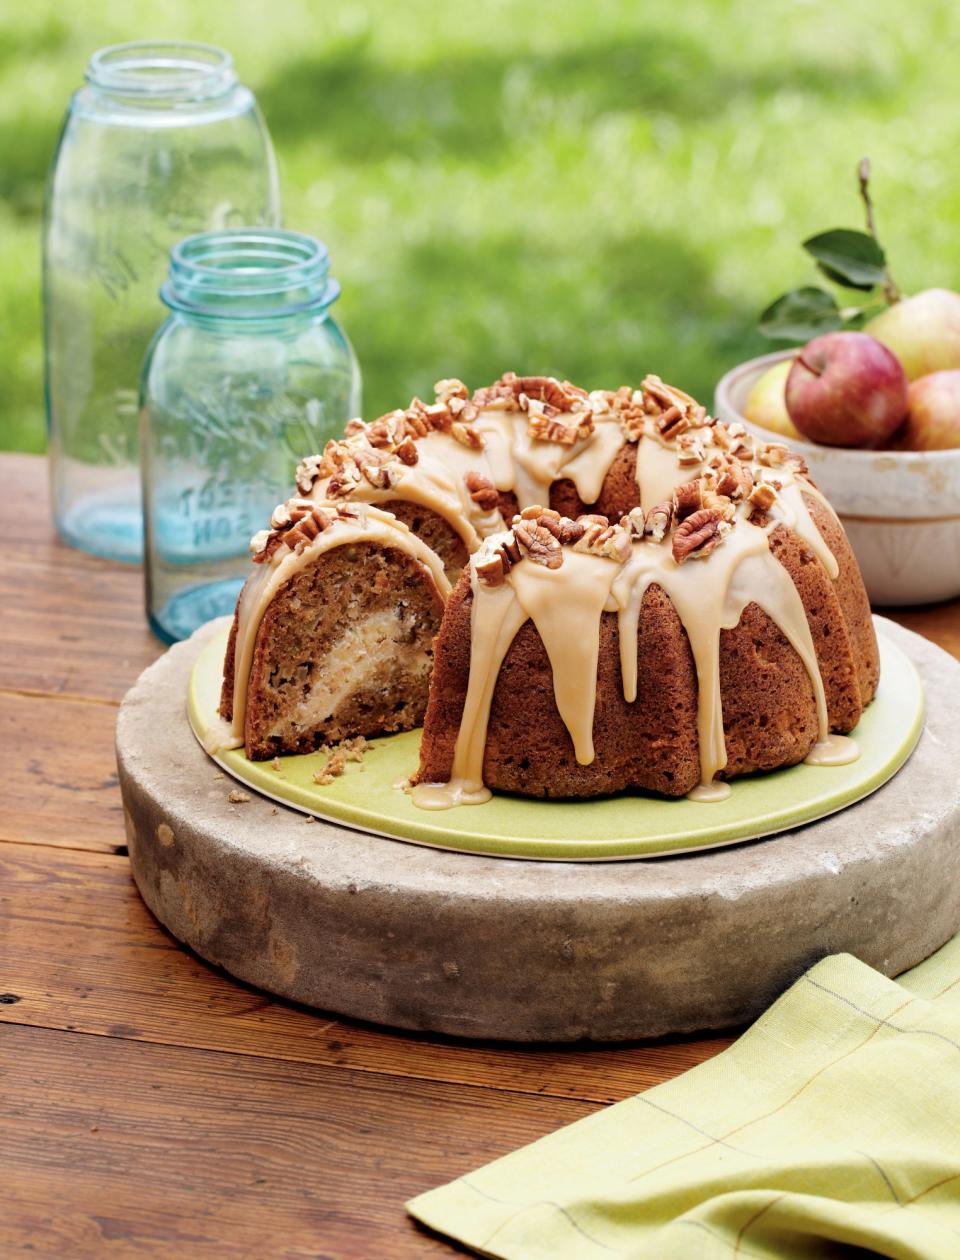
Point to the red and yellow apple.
(933, 422)
(846, 389)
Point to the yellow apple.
(922, 331)
(767, 405)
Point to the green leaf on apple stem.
(853, 259)
(801, 314)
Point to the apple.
(846, 389)
(767, 406)
(933, 422)
(922, 331)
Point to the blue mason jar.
(249, 373)
(162, 141)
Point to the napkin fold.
(831, 1128)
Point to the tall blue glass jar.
(249, 373)
(162, 141)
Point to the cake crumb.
(238, 798)
(309, 818)
(337, 757)
(276, 764)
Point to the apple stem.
(890, 290)
(809, 366)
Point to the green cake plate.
(626, 826)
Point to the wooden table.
(149, 1104)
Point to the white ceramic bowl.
(901, 509)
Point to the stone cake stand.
(491, 947)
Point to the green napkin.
(831, 1128)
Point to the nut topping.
(539, 542)
(482, 491)
(762, 497)
(672, 411)
(544, 422)
(659, 520)
(699, 534)
(294, 524)
(690, 450)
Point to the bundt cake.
(642, 598)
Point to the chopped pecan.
(491, 569)
(481, 490)
(569, 531)
(544, 423)
(406, 451)
(658, 520)
(635, 523)
(563, 395)
(496, 557)
(672, 410)
(600, 538)
(699, 534)
(690, 450)
(505, 393)
(772, 454)
(467, 435)
(734, 439)
(293, 524)
(762, 497)
(734, 479)
(308, 473)
(258, 544)
(447, 390)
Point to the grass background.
(594, 189)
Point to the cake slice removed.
(333, 633)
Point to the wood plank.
(60, 785)
(73, 624)
(82, 953)
(114, 1148)
(938, 622)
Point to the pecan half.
(539, 542)
(481, 490)
(699, 534)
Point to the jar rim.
(249, 273)
(158, 70)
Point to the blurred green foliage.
(593, 189)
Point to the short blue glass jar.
(249, 373)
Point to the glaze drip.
(566, 601)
